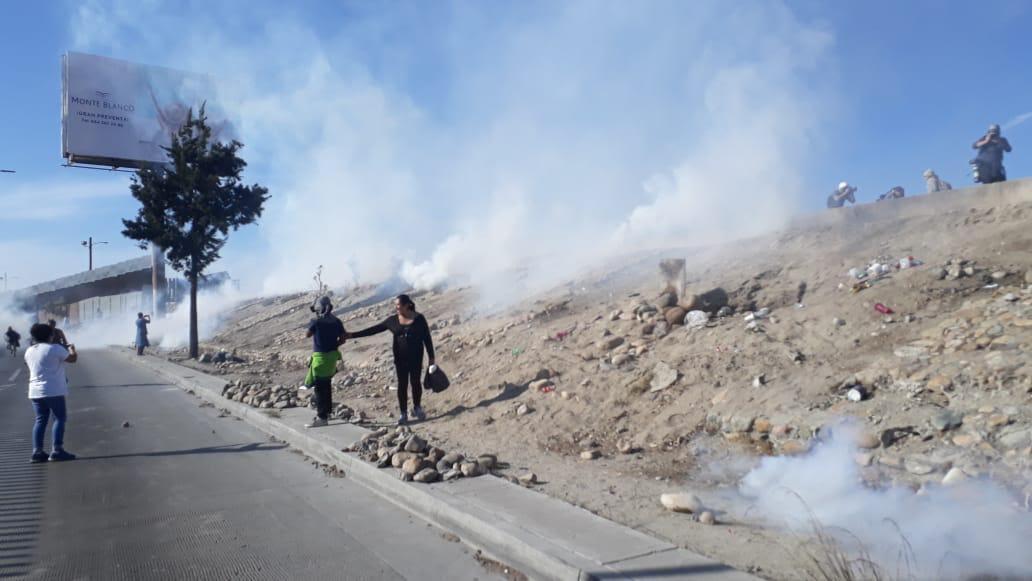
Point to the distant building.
(117, 290)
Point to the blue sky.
(564, 118)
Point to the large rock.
(681, 502)
(663, 376)
(435, 455)
(610, 343)
(488, 461)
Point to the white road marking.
(14, 376)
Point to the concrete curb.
(517, 548)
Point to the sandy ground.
(952, 345)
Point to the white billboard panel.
(120, 114)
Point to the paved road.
(185, 494)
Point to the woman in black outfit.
(411, 334)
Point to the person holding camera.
(48, 386)
(989, 159)
(327, 333)
(142, 321)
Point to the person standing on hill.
(141, 332)
(411, 335)
(48, 386)
(327, 333)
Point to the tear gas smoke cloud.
(968, 528)
(472, 143)
(169, 332)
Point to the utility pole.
(90, 244)
(6, 277)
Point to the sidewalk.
(543, 537)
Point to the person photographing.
(48, 386)
(411, 335)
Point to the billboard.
(120, 114)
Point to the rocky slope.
(612, 391)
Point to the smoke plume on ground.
(969, 528)
(169, 332)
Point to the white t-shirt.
(47, 377)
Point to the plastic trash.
(883, 309)
(696, 319)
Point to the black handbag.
(436, 381)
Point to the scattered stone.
(663, 376)
(527, 478)
(427, 475)
(998, 420)
(674, 316)
(625, 447)
(867, 441)
(414, 465)
(725, 311)
(794, 447)
(126, 424)
(1014, 437)
(590, 454)
(565, 394)
(415, 444)
(762, 426)
(666, 300)
(863, 458)
(918, 467)
(435, 455)
(706, 517)
(837, 322)
(954, 476)
(681, 502)
(488, 461)
(621, 359)
(946, 420)
(451, 475)
(540, 384)
(523, 409)
(472, 469)
(759, 380)
(399, 459)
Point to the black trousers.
(408, 373)
(323, 397)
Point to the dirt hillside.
(602, 391)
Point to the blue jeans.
(44, 407)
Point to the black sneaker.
(38, 457)
(61, 456)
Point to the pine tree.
(189, 205)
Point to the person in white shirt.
(48, 386)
